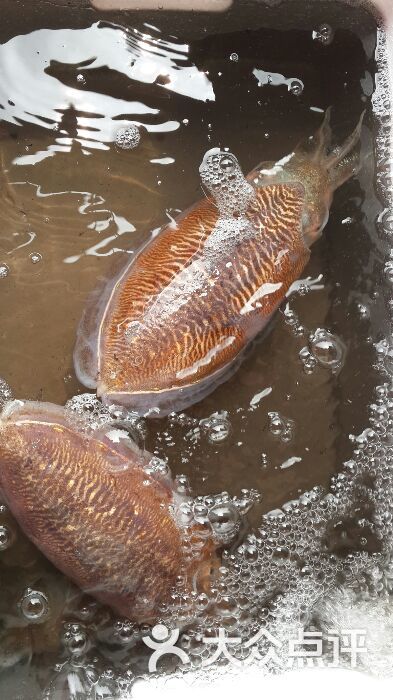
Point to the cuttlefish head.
(321, 168)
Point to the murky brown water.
(72, 209)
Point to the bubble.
(73, 682)
(182, 484)
(125, 631)
(324, 34)
(223, 518)
(281, 427)
(246, 500)
(5, 393)
(363, 311)
(106, 687)
(281, 554)
(264, 460)
(185, 513)
(6, 537)
(227, 164)
(386, 220)
(4, 271)
(303, 289)
(217, 427)
(125, 683)
(35, 258)
(34, 605)
(200, 512)
(128, 137)
(234, 57)
(80, 78)
(388, 361)
(327, 349)
(308, 360)
(75, 639)
(157, 466)
(388, 271)
(296, 87)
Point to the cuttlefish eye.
(100, 514)
(176, 320)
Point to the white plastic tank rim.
(188, 5)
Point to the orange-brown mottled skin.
(178, 317)
(111, 532)
(197, 329)
(158, 355)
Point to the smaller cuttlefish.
(91, 507)
(176, 321)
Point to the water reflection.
(35, 89)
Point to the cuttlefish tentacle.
(177, 319)
(94, 512)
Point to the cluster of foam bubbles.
(324, 349)
(292, 320)
(76, 680)
(90, 415)
(75, 638)
(324, 541)
(216, 427)
(292, 570)
(381, 102)
(306, 558)
(220, 512)
(128, 137)
(274, 581)
(346, 608)
(221, 174)
(282, 428)
(194, 433)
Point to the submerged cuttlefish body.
(90, 506)
(175, 322)
(163, 335)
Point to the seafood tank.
(279, 475)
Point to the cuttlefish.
(176, 320)
(89, 504)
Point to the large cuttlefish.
(97, 512)
(176, 321)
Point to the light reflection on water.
(29, 93)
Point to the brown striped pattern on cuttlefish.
(94, 512)
(179, 316)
